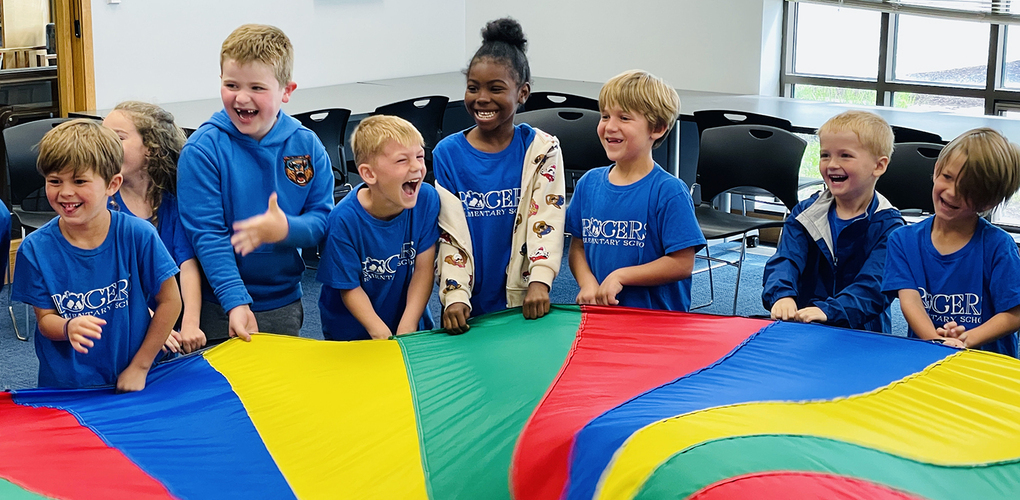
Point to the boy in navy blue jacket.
(830, 260)
(255, 186)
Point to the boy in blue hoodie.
(255, 187)
(829, 263)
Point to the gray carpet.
(19, 366)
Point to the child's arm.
(192, 336)
(669, 268)
(549, 195)
(918, 320)
(253, 232)
(418, 290)
(80, 331)
(360, 306)
(582, 273)
(168, 307)
(782, 272)
(1001, 324)
(241, 322)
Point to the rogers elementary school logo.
(299, 169)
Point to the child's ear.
(114, 184)
(523, 93)
(658, 132)
(288, 90)
(367, 174)
(880, 167)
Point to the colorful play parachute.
(604, 403)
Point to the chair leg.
(740, 266)
(10, 310)
(711, 285)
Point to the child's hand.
(455, 318)
(132, 379)
(380, 333)
(82, 330)
(587, 294)
(242, 322)
(410, 326)
(952, 342)
(809, 314)
(251, 233)
(952, 330)
(536, 302)
(784, 309)
(610, 287)
(173, 342)
(192, 338)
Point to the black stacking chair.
(426, 114)
(456, 118)
(904, 134)
(546, 100)
(330, 125)
(907, 182)
(723, 166)
(577, 131)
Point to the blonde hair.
(872, 130)
(82, 145)
(373, 133)
(637, 91)
(263, 44)
(163, 141)
(991, 167)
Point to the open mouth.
(485, 115)
(70, 207)
(952, 207)
(610, 140)
(411, 187)
(246, 114)
(838, 178)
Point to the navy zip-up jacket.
(842, 278)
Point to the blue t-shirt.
(837, 225)
(968, 286)
(489, 186)
(114, 282)
(168, 220)
(377, 255)
(623, 226)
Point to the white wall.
(707, 45)
(168, 50)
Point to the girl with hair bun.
(501, 189)
(152, 144)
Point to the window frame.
(994, 95)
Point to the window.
(958, 56)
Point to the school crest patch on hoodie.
(299, 169)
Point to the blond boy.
(829, 263)
(378, 262)
(955, 273)
(255, 187)
(632, 224)
(92, 274)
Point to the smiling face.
(134, 151)
(626, 136)
(849, 170)
(80, 199)
(394, 177)
(252, 96)
(949, 206)
(492, 96)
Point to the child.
(632, 225)
(828, 266)
(955, 273)
(152, 143)
(90, 273)
(378, 262)
(256, 183)
(501, 192)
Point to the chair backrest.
(904, 134)
(425, 113)
(330, 125)
(723, 118)
(26, 185)
(750, 156)
(546, 100)
(907, 182)
(456, 118)
(577, 131)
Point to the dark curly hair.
(503, 41)
(163, 140)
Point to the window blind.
(996, 11)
